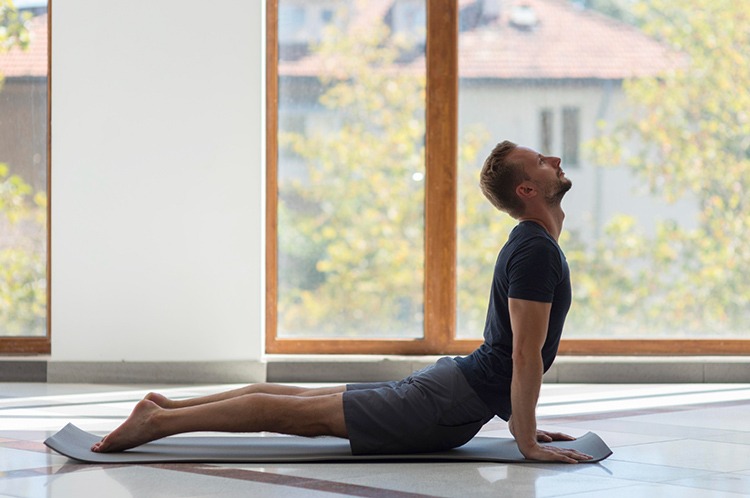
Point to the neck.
(552, 221)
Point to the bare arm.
(529, 321)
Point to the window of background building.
(23, 176)
(545, 130)
(570, 136)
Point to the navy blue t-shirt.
(530, 266)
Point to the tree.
(23, 285)
(351, 225)
(692, 124)
(13, 32)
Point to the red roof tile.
(30, 62)
(567, 42)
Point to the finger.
(578, 455)
(574, 454)
(551, 454)
(562, 457)
(559, 436)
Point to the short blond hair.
(500, 177)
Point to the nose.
(556, 161)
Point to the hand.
(554, 454)
(546, 437)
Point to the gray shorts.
(433, 409)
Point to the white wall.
(157, 180)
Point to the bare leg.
(263, 388)
(321, 415)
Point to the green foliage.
(693, 124)
(351, 245)
(13, 31)
(351, 220)
(23, 282)
(351, 238)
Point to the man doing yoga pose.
(442, 406)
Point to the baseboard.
(566, 370)
(210, 372)
(23, 370)
(342, 368)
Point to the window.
(570, 136)
(545, 130)
(24, 185)
(351, 206)
(657, 254)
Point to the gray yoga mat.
(75, 443)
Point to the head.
(513, 176)
(500, 177)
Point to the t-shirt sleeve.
(534, 271)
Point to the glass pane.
(652, 124)
(23, 168)
(351, 169)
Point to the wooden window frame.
(41, 345)
(441, 144)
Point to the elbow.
(523, 360)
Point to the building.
(543, 73)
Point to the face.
(544, 172)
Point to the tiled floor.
(668, 440)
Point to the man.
(444, 405)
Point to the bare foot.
(160, 400)
(138, 429)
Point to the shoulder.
(534, 256)
(530, 239)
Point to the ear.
(526, 190)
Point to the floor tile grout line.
(54, 470)
(227, 473)
(290, 481)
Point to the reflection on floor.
(686, 440)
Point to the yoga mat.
(75, 443)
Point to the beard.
(556, 190)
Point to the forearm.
(525, 387)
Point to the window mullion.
(441, 165)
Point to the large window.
(24, 176)
(381, 113)
(351, 174)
